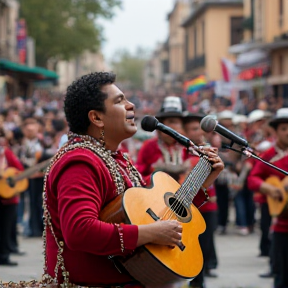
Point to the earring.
(102, 138)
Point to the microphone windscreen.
(149, 123)
(208, 124)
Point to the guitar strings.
(204, 168)
(196, 182)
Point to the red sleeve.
(142, 163)
(13, 160)
(256, 176)
(80, 199)
(148, 154)
(260, 171)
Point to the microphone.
(150, 123)
(209, 124)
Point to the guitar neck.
(194, 181)
(30, 171)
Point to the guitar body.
(6, 191)
(276, 208)
(157, 264)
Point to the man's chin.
(131, 131)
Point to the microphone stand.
(249, 154)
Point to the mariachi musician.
(164, 153)
(8, 207)
(85, 175)
(278, 156)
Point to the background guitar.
(13, 182)
(276, 207)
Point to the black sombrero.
(172, 106)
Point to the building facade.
(176, 41)
(266, 33)
(9, 11)
(210, 29)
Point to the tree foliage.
(65, 28)
(129, 67)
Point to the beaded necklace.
(171, 157)
(76, 141)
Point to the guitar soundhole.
(178, 208)
(182, 212)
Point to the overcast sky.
(139, 23)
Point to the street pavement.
(238, 267)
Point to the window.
(280, 13)
(195, 40)
(203, 37)
(165, 66)
(236, 30)
(280, 61)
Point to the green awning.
(40, 73)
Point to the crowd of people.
(100, 119)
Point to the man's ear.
(95, 118)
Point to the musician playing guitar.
(8, 207)
(87, 173)
(278, 156)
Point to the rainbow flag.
(195, 84)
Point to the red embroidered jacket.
(78, 187)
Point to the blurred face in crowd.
(282, 135)
(227, 123)
(258, 124)
(176, 124)
(3, 144)
(242, 126)
(1, 121)
(263, 105)
(194, 131)
(30, 130)
(214, 139)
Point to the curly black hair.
(84, 95)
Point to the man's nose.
(130, 106)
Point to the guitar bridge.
(152, 214)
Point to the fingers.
(177, 232)
(218, 166)
(209, 149)
(177, 236)
(214, 159)
(178, 228)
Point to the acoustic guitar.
(13, 181)
(276, 207)
(158, 264)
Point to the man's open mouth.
(130, 117)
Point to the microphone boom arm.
(249, 154)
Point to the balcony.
(195, 63)
(283, 36)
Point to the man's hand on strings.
(216, 162)
(164, 232)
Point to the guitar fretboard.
(193, 182)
